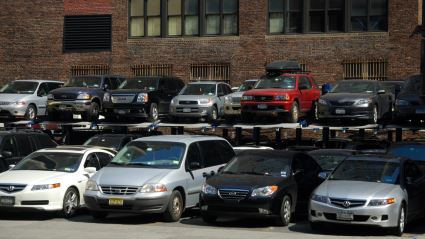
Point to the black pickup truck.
(141, 97)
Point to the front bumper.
(410, 112)
(45, 200)
(232, 109)
(266, 108)
(137, 203)
(126, 110)
(345, 112)
(12, 110)
(381, 216)
(69, 106)
(190, 111)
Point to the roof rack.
(278, 67)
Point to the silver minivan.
(158, 174)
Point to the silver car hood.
(355, 189)
(194, 97)
(121, 176)
(236, 94)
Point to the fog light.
(384, 218)
(204, 207)
(374, 218)
(263, 211)
(319, 214)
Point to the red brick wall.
(81, 7)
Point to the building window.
(326, 15)
(369, 15)
(221, 17)
(219, 71)
(137, 20)
(285, 16)
(80, 70)
(183, 16)
(145, 18)
(367, 70)
(152, 70)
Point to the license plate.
(344, 216)
(7, 201)
(122, 112)
(186, 110)
(340, 111)
(62, 107)
(116, 202)
(262, 107)
(420, 111)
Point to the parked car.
(112, 141)
(15, 145)
(26, 99)
(394, 86)
(232, 102)
(51, 179)
(202, 99)
(329, 159)
(409, 149)
(158, 174)
(261, 183)
(141, 97)
(285, 92)
(82, 95)
(369, 145)
(356, 99)
(410, 104)
(370, 190)
(240, 149)
(333, 143)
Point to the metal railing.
(367, 70)
(152, 70)
(218, 71)
(90, 70)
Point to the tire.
(208, 218)
(31, 113)
(93, 113)
(375, 116)
(175, 207)
(212, 118)
(315, 226)
(153, 113)
(285, 212)
(71, 203)
(399, 229)
(294, 113)
(97, 215)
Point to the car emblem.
(232, 193)
(346, 204)
(11, 188)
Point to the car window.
(52, 86)
(228, 89)
(42, 141)
(43, 90)
(92, 161)
(194, 155)
(304, 82)
(215, 152)
(226, 151)
(104, 159)
(24, 145)
(308, 163)
(221, 91)
(412, 171)
(9, 145)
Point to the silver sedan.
(370, 190)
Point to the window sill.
(185, 39)
(326, 35)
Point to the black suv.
(15, 145)
(142, 97)
(81, 95)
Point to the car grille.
(344, 103)
(347, 203)
(12, 188)
(236, 100)
(188, 102)
(65, 96)
(263, 98)
(119, 99)
(232, 194)
(187, 110)
(356, 218)
(119, 190)
(5, 103)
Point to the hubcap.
(31, 113)
(71, 202)
(154, 113)
(214, 114)
(316, 111)
(287, 211)
(402, 220)
(375, 115)
(295, 113)
(176, 206)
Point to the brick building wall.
(32, 35)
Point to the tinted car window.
(305, 82)
(42, 141)
(150, 84)
(9, 145)
(43, 90)
(226, 151)
(104, 159)
(92, 161)
(258, 165)
(20, 87)
(109, 142)
(413, 172)
(50, 161)
(84, 81)
(354, 87)
(52, 86)
(280, 82)
(194, 155)
(413, 84)
(24, 144)
(210, 153)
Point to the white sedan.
(52, 179)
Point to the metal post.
(238, 135)
(256, 135)
(333, 134)
(278, 137)
(325, 137)
(173, 130)
(67, 131)
(398, 134)
(298, 135)
(225, 133)
(390, 135)
(180, 130)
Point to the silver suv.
(158, 174)
(203, 99)
(232, 102)
(26, 98)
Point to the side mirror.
(11, 166)
(380, 92)
(194, 166)
(90, 170)
(7, 154)
(323, 175)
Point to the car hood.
(355, 189)
(342, 97)
(194, 97)
(13, 97)
(74, 90)
(236, 94)
(243, 181)
(31, 177)
(128, 91)
(272, 92)
(129, 176)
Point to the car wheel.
(175, 207)
(375, 115)
(93, 113)
(285, 212)
(31, 113)
(153, 113)
(214, 115)
(294, 113)
(71, 202)
(209, 219)
(96, 215)
(401, 222)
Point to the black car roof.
(374, 157)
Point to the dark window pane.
(317, 4)
(359, 8)
(336, 21)
(378, 7)
(317, 21)
(213, 6)
(359, 23)
(230, 6)
(378, 23)
(191, 25)
(213, 24)
(230, 24)
(294, 22)
(294, 5)
(336, 4)
(191, 7)
(276, 22)
(276, 5)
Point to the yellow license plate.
(116, 202)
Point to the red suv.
(286, 91)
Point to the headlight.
(281, 97)
(264, 192)
(142, 98)
(208, 189)
(381, 202)
(247, 97)
(92, 186)
(50, 97)
(319, 198)
(204, 101)
(153, 188)
(227, 99)
(83, 96)
(20, 103)
(45, 186)
(106, 97)
(363, 102)
(322, 102)
(173, 101)
(402, 103)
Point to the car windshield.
(137, 83)
(199, 89)
(50, 161)
(247, 85)
(258, 165)
(89, 82)
(280, 82)
(328, 162)
(108, 142)
(20, 87)
(368, 171)
(414, 152)
(150, 155)
(354, 87)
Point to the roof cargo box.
(283, 66)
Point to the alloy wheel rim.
(316, 111)
(31, 113)
(295, 113)
(71, 202)
(214, 114)
(402, 220)
(154, 113)
(375, 115)
(287, 211)
(176, 206)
